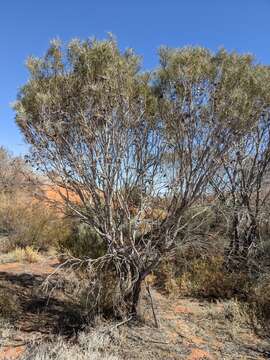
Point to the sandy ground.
(188, 328)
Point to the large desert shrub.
(99, 128)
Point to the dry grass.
(98, 344)
(5, 331)
(236, 317)
(31, 255)
(9, 307)
(28, 255)
(259, 304)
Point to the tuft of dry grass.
(31, 255)
(236, 316)
(28, 254)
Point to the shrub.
(82, 242)
(94, 292)
(27, 222)
(209, 279)
(202, 277)
(164, 278)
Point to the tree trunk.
(135, 298)
(232, 253)
(250, 237)
(235, 245)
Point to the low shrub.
(209, 279)
(202, 277)
(82, 242)
(95, 292)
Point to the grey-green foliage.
(97, 125)
(83, 242)
(216, 111)
(225, 87)
(86, 112)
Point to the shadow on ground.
(36, 311)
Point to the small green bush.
(82, 242)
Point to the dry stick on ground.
(136, 337)
(118, 325)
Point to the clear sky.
(26, 26)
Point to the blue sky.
(26, 26)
